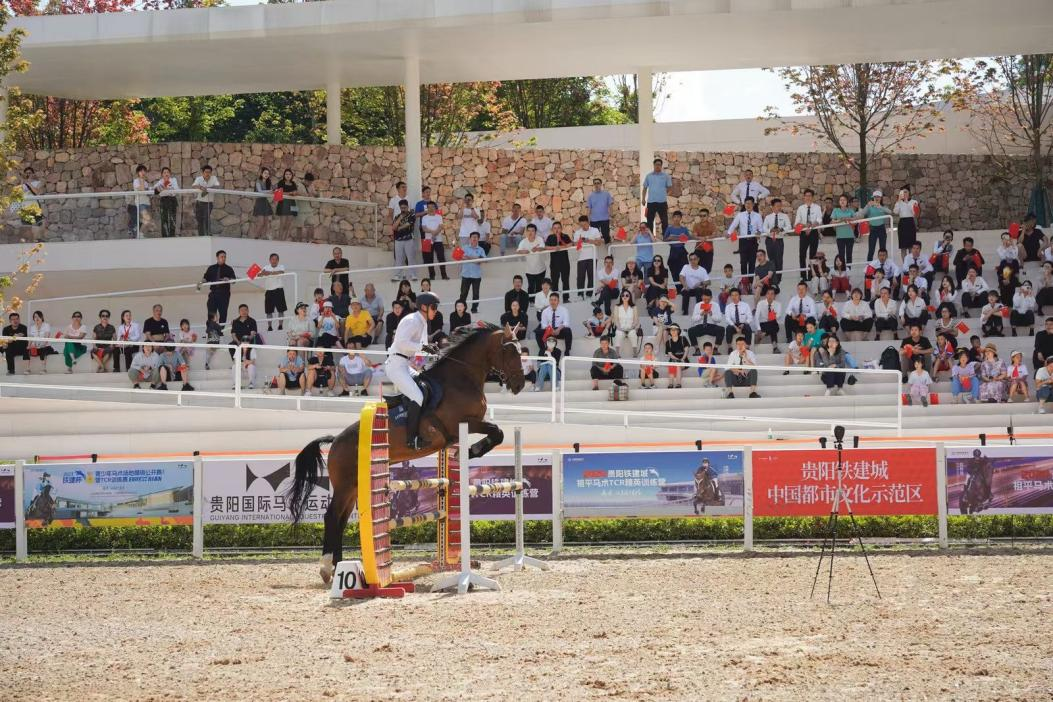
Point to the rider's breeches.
(398, 372)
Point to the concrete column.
(414, 159)
(332, 112)
(645, 119)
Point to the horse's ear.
(508, 331)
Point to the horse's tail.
(309, 465)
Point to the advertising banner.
(253, 492)
(877, 481)
(1000, 480)
(652, 484)
(109, 494)
(7, 496)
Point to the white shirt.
(1008, 253)
(856, 310)
(890, 269)
(777, 220)
(763, 308)
(604, 278)
(738, 313)
(713, 316)
(990, 309)
(129, 332)
(142, 185)
(904, 208)
(410, 336)
(514, 225)
(200, 182)
(920, 283)
(886, 310)
(536, 262)
(588, 251)
(272, 282)
(800, 305)
(555, 318)
(353, 365)
(749, 189)
(541, 299)
(921, 262)
(747, 224)
(746, 358)
(544, 226)
(912, 308)
(1021, 371)
(173, 184)
(694, 277)
(42, 331)
(1024, 303)
(393, 205)
(469, 222)
(431, 225)
(809, 214)
(978, 285)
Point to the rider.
(705, 475)
(410, 339)
(44, 484)
(980, 468)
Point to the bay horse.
(460, 371)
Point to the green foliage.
(189, 118)
(558, 102)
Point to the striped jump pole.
(519, 560)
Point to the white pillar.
(645, 118)
(414, 159)
(332, 112)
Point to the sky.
(735, 94)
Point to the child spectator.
(213, 335)
(965, 386)
(708, 371)
(647, 368)
(813, 336)
(993, 376)
(918, 383)
(1018, 373)
(728, 283)
(676, 350)
(1044, 385)
(291, 373)
(186, 336)
(991, 315)
(598, 324)
(1024, 308)
(797, 353)
(943, 358)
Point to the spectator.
(947, 326)
(975, 350)
(1024, 307)
(605, 367)
(918, 383)
(656, 185)
(800, 308)
(471, 217)
(355, 375)
(542, 222)
(1043, 344)
(661, 314)
(1007, 284)
(706, 321)
(913, 277)
(914, 310)
(585, 237)
(358, 327)
(301, 328)
(809, 215)
(512, 228)
(907, 209)
(218, 277)
(991, 315)
(391, 322)
(657, 281)
(516, 320)
(993, 376)
(329, 325)
(766, 319)
(127, 330)
(625, 322)
(471, 272)
(1045, 292)
(1017, 377)
(402, 233)
(261, 206)
(708, 369)
(632, 277)
(856, 317)
(913, 347)
(392, 210)
(144, 368)
(1044, 385)
(342, 301)
(541, 298)
(739, 317)
(14, 348)
(677, 235)
(875, 211)
(819, 273)
(738, 373)
(71, 352)
(545, 368)
(173, 366)
(694, 279)
(889, 270)
(1032, 239)
(286, 205)
(165, 188)
(748, 188)
(246, 364)
(436, 335)
(828, 320)
(186, 336)
(965, 387)
(213, 337)
(308, 217)
(535, 263)
(943, 253)
(828, 216)
(555, 323)
(598, 207)
(291, 373)
(337, 267)
(967, 259)
(529, 368)
(917, 259)
(764, 276)
(243, 329)
(946, 296)
(320, 374)
(139, 211)
(205, 200)
(39, 329)
(599, 324)
(776, 225)
(644, 240)
(559, 260)
(676, 351)
(517, 294)
(798, 353)
(1008, 252)
(104, 331)
(647, 368)
(728, 283)
(746, 227)
(813, 337)
(420, 209)
(943, 358)
(460, 317)
(886, 315)
(374, 304)
(829, 355)
(433, 240)
(843, 216)
(974, 292)
(704, 232)
(274, 291)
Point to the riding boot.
(413, 412)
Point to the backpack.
(889, 359)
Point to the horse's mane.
(463, 338)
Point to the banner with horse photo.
(7, 496)
(1000, 480)
(109, 494)
(253, 491)
(877, 481)
(652, 484)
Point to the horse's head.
(506, 359)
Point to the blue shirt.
(657, 184)
(644, 250)
(472, 269)
(599, 206)
(296, 364)
(673, 234)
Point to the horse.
(972, 498)
(460, 371)
(707, 491)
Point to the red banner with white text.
(877, 481)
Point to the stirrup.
(416, 443)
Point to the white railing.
(626, 415)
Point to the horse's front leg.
(494, 437)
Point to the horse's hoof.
(326, 568)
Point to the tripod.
(840, 495)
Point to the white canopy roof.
(364, 42)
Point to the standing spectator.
(1024, 307)
(76, 332)
(261, 206)
(358, 327)
(535, 263)
(918, 383)
(766, 318)
(831, 355)
(776, 225)
(559, 260)
(991, 315)
(243, 329)
(337, 267)
(320, 373)
(512, 228)
(965, 386)
(374, 304)
(706, 321)
(542, 222)
(291, 372)
(800, 308)
(738, 373)
(104, 331)
(392, 211)
(341, 301)
(472, 272)
(915, 346)
(286, 205)
(656, 185)
(828, 216)
(704, 232)
(355, 375)
(604, 367)
(460, 317)
(471, 217)
(517, 294)
(843, 215)
(738, 316)
(213, 337)
(677, 236)
(274, 291)
(155, 329)
(420, 209)
(1044, 385)
(993, 376)
(402, 231)
(39, 329)
(625, 321)
(13, 348)
(139, 211)
(391, 322)
(555, 323)
(173, 366)
(809, 216)
(585, 237)
(144, 367)
(432, 240)
(598, 206)
(873, 211)
(907, 209)
(748, 188)
(1018, 373)
(165, 187)
(205, 200)
(694, 280)
(218, 277)
(129, 331)
(747, 226)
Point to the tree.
(627, 97)
(189, 118)
(1010, 100)
(558, 102)
(863, 110)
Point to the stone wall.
(956, 191)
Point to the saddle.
(431, 390)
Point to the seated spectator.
(40, 329)
(541, 298)
(104, 331)
(1044, 385)
(1024, 308)
(316, 308)
(728, 282)
(839, 281)
(173, 367)
(517, 294)
(647, 368)
(967, 259)
(766, 319)
(876, 285)
(975, 350)
(1032, 238)
(625, 322)
(706, 320)
(676, 351)
(358, 327)
(1008, 283)
(320, 374)
(857, 319)
(555, 322)
(661, 317)
(888, 269)
(355, 375)
(943, 357)
(693, 280)
(605, 366)
(436, 335)
(915, 346)
(830, 355)
(598, 324)
(943, 253)
(291, 373)
(213, 335)
(243, 329)
(965, 386)
(1045, 292)
(813, 338)
(974, 292)
(946, 296)
(800, 307)
(708, 369)
(155, 329)
(246, 363)
(738, 374)
(947, 326)
(633, 279)
(886, 315)
(764, 276)
(13, 348)
(529, 368)
(913, 277)
(460, 317)
(75, 331)
(405, 295)
(1008, 252)
(391, 322)
(657, 281)
(341, 300)
(301, 329)
(1043, 344)
(329, 326)
(145, 368)
(545, 369)
(1018, 373)
(819, 273)
(918, 383)
(914, 311)
(186, 336)
(993, 376)
(991, 315)
(798, 353)
(607, 282)
(374, 304)
(828, 320)
(925, 271)
(516, 320)
(739, 317)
